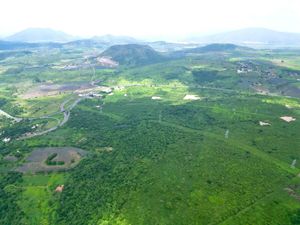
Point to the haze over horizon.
(145, 19)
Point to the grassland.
(38, 193)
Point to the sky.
(148, 18)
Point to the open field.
(35, 201)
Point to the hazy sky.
(155, 18)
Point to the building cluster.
(244, 67)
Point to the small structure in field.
(288, 118)
(155, 98)
(59, 188)
(241, 71)
(104, 149)
(261, 123)
(6, 140)
(90, 95)
(35, 126)
(191, 97)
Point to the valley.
(205, 135)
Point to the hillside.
(252, 36)
(9, 45)
(132, 54)
(216, 48)
(32, 35)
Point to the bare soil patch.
(45, 90)
(59, 188)
(155, 98)
(107, 62)
(191, 97)
(36, 161)
(261, 123)
(287, 119)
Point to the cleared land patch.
(287, 118)
(37, 160)
(46, 90)
(191, 97)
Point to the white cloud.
(148, 18)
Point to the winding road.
(63, 109)
(66, 113)
(2, 113)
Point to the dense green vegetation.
(9, 194)
(51, 162)
(133, 54)
(216, 48)
(156, 157)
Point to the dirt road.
(2, 113)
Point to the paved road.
(64, 110)
(66, 113)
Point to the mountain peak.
(252, 36)
(32, 35)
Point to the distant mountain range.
(43, 35)
(38, 35)
(251, 37)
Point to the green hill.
(133, 54)
(216, 48)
